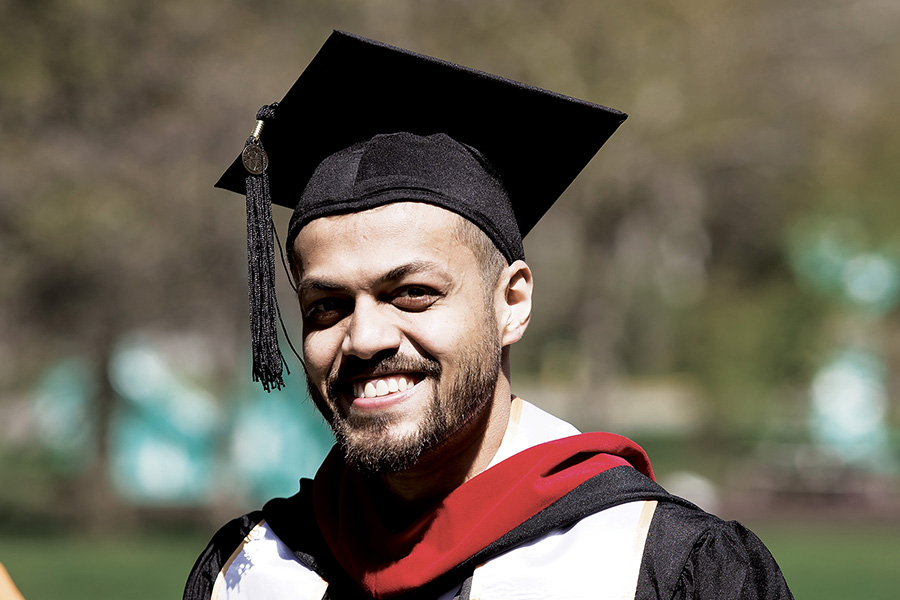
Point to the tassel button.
(255, 159)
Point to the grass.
(822, 561)
(74, 569)
(837, 561)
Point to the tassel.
(268, 361)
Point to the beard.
(367, 441)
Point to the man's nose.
(370, 330)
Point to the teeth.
(382, 387)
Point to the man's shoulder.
(217, 554)
(690, 553)
(247, 558)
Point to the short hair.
(490, 259)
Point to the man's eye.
(325, 310)
(414, 297)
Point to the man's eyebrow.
(411, 268)
(307, 285)
(315, 284)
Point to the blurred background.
(720, 283)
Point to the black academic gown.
(688, 554)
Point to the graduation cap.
(367, 123)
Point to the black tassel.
(268, 362)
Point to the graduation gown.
(616, 535)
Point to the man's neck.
(404, 496)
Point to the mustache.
(386, 364)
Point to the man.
(413, 182)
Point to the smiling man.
(402, 342)
(412, 182)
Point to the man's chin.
(379, 452)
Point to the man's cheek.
(315, 360)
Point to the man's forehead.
(425, 219)
(408, 231)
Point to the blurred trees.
(668, 256)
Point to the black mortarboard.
(508, 151)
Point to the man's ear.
(516, 302)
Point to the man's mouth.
(376, 387)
